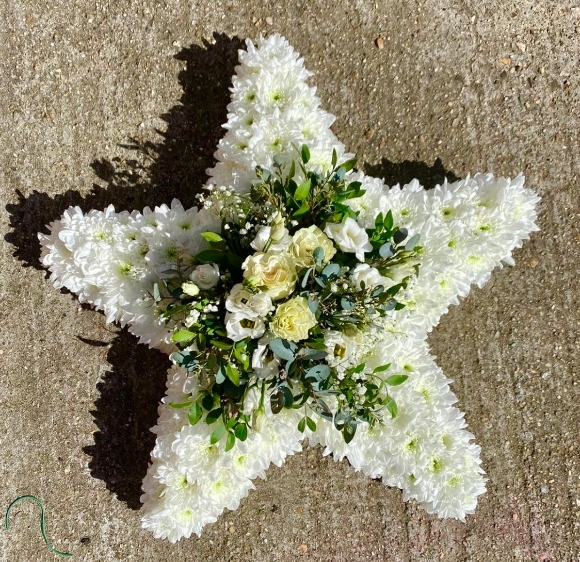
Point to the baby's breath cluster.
(295, 302)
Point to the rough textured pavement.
(121, 102)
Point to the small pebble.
(521, 47)
(303, 548)
(506, 60)
(544, 489)
(269, 20)
(379, 42)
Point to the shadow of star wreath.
(295, 302)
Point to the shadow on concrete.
(173, 167)
(124, 413)
(403, 172)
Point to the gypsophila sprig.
(295, 302)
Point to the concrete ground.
(121, 101)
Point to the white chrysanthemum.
(272, 111)
(190, 481)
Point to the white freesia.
(264, 234)
(264, 362)
(239, 327)
(370, 276)
(251, 305)
(205, 276)
(349, 237)
(190, 289)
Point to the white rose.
(264, 362)
(349, 237)
(275, 272)
(241, 301)
(293, 320)
(264, 234)
(370, 276)
(239, 327)
(305, 241)
(205, 276)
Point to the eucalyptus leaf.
(282, 349)
(412, 242)
(386, 251)
(400, 235)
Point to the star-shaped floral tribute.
(281, 330)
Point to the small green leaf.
(241, 431)
(302, 191)
(233, 374)
(311, 424)
(391, 407)
(396, 380)
(194, 414)
(348, 165)
(304, 208)
(305, 153)
(207, 402)
(217, 434)
(388, 221)
(382, 368)
(182, 336)
(156, 293)
(179, 405)
(210, 256)
(302, 425)
(213, 416)
(211, 236)
(221, 345)
(230, 441)
(334, 158)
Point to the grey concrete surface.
(121, 101)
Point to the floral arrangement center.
(295, 302)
